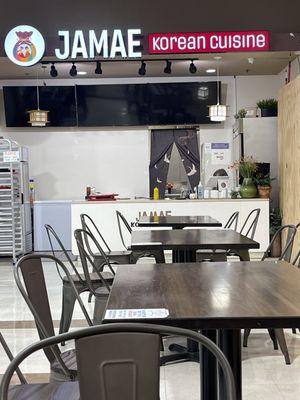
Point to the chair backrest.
(35, 294)
(286, 252)
(52, 235)
(122, 221)
(297, 258)
(11, 357)
(121, 358)
(249, 227)
(232, 221)
(89, 225)
(87, 261)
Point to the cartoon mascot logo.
(24, 49)
(24, 45)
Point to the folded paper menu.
(140, 313)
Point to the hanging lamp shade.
(218, 113)
(38, 117)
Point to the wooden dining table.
(185, 242)
(219, 299)
(178, 222)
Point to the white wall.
(64, 161)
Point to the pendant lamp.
(218, 112)
(38, 117)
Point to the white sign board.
(11, 156)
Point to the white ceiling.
(264, 63)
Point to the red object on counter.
(102, 197)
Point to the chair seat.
(45, 391)
(69, 358)
(94, 277)
(102, 292)
(112, 254)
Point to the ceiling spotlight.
(98, 70)
(53, 71)
(168, 69)
(142, 69)
(193, 68)
(210, 71)
(73, 70)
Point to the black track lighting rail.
(71, 61)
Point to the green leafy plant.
(275, 220)
(268, 104)
(246, 166)
(241, 114)
(263, 180)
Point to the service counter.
(104, 215)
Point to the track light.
(142, 69)
(167, 69)
(193, 68)
(53, 71)
(73, 70)
(98, 70)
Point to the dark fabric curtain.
(162, 142)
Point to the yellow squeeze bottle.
(156, 193)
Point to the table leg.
(230, 344)
(244, 255)
(208, 370)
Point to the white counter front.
(104, 215)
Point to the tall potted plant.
(275, 224)
(247, 167)
(268, 107)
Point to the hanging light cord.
(37, 90)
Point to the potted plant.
(247, 167)
(275, 224)
(268, 107)
(264, 187)
(241, 114)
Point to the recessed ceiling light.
(81, 73)
(210, 71)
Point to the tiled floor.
(265, 375)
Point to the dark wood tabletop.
(179, 221)
(232, 295)
(224, 239)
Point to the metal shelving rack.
(15, 219)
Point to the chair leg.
(273, 337)
(90, 297)
(100, 305)
(246, 335)
(294, 330)
(282, 343)
(159, 257)
(68, 303)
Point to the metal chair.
(120, 361)
(278, 334)
(101, 294)
(120, 257)
(69, 296)
(45, 391)
(34, 291)
(219, 255)
(136, 255)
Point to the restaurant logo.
(24, 45)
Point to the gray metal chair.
(101, 294)
(278, 334)
(136, 255)
(120, 257)
(34, 291)
(69, 296)
(218, 255)
(120, 361)
(45, 391)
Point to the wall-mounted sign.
(89, 44)
(10, 156)
(209, 42)
(24, 45)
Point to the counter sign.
(211, 42)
